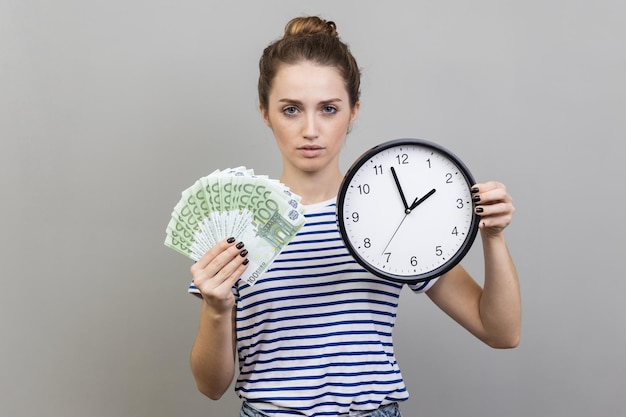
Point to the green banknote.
(257, 210)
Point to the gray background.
(109, 109)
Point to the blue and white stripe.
(314, 334)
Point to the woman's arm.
(213, 354)
(491, 313)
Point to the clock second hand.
(408, 211)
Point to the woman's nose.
(311, 128)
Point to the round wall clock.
(405, 211)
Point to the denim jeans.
(391, 410)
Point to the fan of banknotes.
(254, 209)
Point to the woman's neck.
(313, 187)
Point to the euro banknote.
(259, 211)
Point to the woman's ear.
(355, 112)
(265, 116)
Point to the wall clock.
(405, 210)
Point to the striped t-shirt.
(314, 334)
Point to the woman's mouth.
(310, 151)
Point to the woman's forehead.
(307, 79)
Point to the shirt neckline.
(320, 204)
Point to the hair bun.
(310, 25)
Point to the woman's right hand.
(216, 272)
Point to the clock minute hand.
(395, 178)
(417, 202)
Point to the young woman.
(313, 336)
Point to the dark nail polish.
(243, 253)
(245, 261)
(230, 240)
(479, 209)
(474, 189)
(239, 245)
(476, 198)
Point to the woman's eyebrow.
(294, 101)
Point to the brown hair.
(309, 39)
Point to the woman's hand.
(494, 205)
(217, 271)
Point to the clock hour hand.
(395, 178)
(417, 202)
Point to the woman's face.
(309, 113)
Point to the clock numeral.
(402, 159)
(388, 256)
(355, 216)
(413, 261)
(378, 169)
(448, 178)
(455, 232)
(364, 189)
(367, 243)
(459, 203)
(438, 251)
(428, 162)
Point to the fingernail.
(476, 198)
(479, 209)
(474, 189)
(230, 240)
(239, 245)
(245, 261)
(243, 253)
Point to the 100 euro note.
(270, 233)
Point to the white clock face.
(405, 210)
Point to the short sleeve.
(423, 286)
(193, 290)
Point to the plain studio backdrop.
(109, 109)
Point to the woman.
(313, 336)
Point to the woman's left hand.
(494, 205)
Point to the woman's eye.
(329, 109)
(290, 110)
